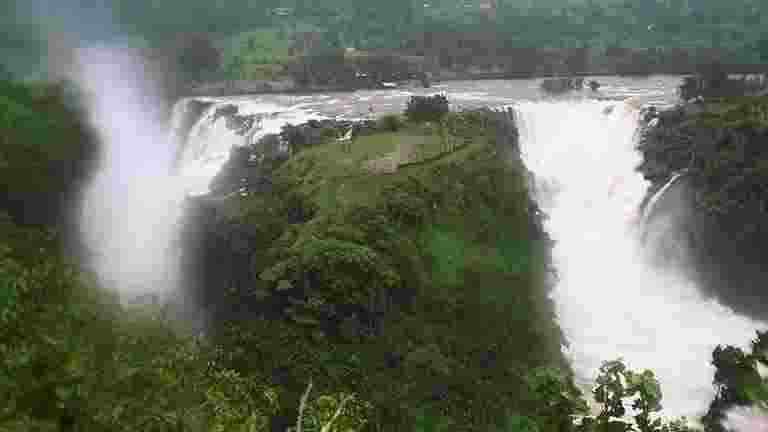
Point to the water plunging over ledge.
(611, 301)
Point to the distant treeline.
(251, 34)
(369, 24)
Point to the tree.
(427, 108)
(617, 385)
(195, 55)
(736, 380)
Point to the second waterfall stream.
(611, 302)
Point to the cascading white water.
(207, 145)
(610, 301)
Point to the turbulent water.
(611, 301)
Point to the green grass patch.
(336, 179)
(451, 253)
(515, 254)
(448, 253)
(737, 113)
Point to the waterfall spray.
(132, 207)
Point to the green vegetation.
(257, 55)
(478, 32)
(740, 113)
(391, 122)
(45, 151)
(333, 177)
(741, 381)
(74, 360)
(553, 23)
(370, 278)
(722, 148)
(427, 108)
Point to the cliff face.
(720, 204)
(424, 289)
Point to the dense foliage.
(403, 289)
(257, 38)
(46, 152)
(551, 23)
(427, 108)
(73, 359)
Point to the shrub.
(390, 122)
(427, 108)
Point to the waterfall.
(205, 148)
(611, 302)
